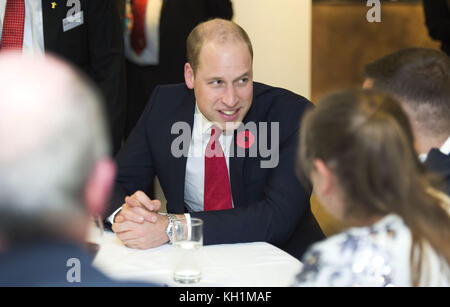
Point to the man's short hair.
(420, 79)
(218, 29)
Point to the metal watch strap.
(169, 229)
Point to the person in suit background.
(242, 192)
(155, 44)
(356, 148)
(420, 79)
(437, 19)
(55, 172)
(85, 33)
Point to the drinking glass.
(188, 241)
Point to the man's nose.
(230, 97)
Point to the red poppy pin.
(245, 139)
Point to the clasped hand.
(138, 225)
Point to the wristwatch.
(170, 226)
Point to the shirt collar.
(205, 125)
(445, 149)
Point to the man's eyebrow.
(246, 74)
(214, 78)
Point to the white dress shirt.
(445, 149)
(33, 35)
(150, 54)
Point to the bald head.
(32, 92)
(219, 31)
(52, 133)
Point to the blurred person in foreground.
(54, 172)
(356, 148)
(419, 78)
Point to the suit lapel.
(52, 21)
(236, 176)
(438, 162)
(178, 165)
(237, 160)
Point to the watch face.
(169, 229)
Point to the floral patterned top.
(377, 255)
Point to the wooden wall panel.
(343, 41)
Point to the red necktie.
(138, 40)
(13, 23)
(217, 193)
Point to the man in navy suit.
(86, 33)
(223, 148)
(54, 173)
(420, 79)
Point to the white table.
(257, 264)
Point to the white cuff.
(113, 216)
(188, 223)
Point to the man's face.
(223, 83)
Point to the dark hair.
(217, 28)
(365, 138)
(420, 79)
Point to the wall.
(280, 31)
(343, 41)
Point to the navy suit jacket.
(440, 163)
(437, 19)
(270, 204)
(45, 264)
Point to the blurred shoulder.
(281, 96)
(274, 104)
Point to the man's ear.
(325, 177)
(368, 84)
(98, 188)
(189, 76)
